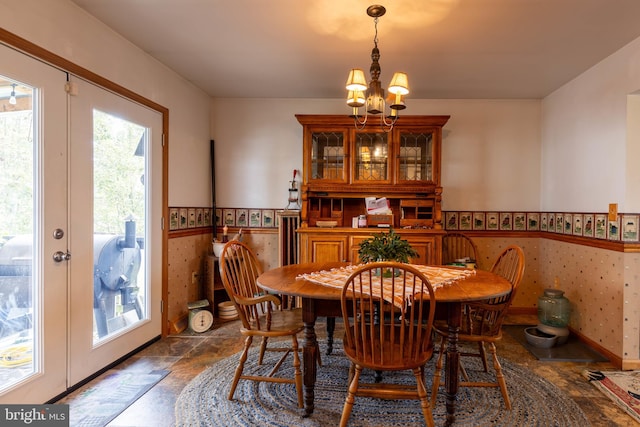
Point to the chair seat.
(283, 323)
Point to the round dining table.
(324, 301)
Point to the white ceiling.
(305, 48)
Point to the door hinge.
(71, 88)
(163, 139)
(162, 223)
(161, 306)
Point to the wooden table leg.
(452, 361)
(331, 327)
(309, 354)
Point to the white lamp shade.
(399, 84)
(355, 98)
(356, 80)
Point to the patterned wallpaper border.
(590, 225)
(188, 218)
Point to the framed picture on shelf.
(578, 225)
(568, 223)
(218, 217)
(268, 218)
(229, 217)
(255, 218)
(174, 218)
(207, 217)
(242, 219)
(629, 228)
(559, 223)
(184, 213)
(191, 222)
(587, 225)
(492, 220)
(505, 221)
(613, 232)
(600, 226)
(519, 221)
(478, 221)
(199, 217)
(543, 221)
(533, 221)
(465, 220)
(451, 221)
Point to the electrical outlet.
(194, 277)
(613, 211)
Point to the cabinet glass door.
(328, 156)
(371, 157)
(415, 157)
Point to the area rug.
(623, 387)
(96, 406)
(203, 402)
(573, 350)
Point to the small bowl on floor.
(539, 339)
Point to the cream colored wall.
(490, 150)
(590, 151)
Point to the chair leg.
(348, 403)
(483, 356)
(240, 368)
(500, 376)
(422, 395)
(263, 349)
(298, 372)
(437, 374)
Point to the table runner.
(438, 276)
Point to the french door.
(33, 188)
(115, 232)
(80, 254)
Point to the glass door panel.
(328, 156)
(372, 157)
(17, 186)
(415, 158)
(118, 219)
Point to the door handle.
(61, 256)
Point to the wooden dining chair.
(457, 246)
(239, 268)
(388, 325)
(482, 323)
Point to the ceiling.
(305, 48)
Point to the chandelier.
(371, 96)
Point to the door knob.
(61, 256)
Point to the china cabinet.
(343, 165)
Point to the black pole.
(213, 189)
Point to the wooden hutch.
(343, 165)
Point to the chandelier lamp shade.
(371, 95)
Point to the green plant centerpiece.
(386, 247)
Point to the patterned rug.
(623, 387)
(203, 402)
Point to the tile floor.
(188, 354)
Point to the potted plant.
(386, 247)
